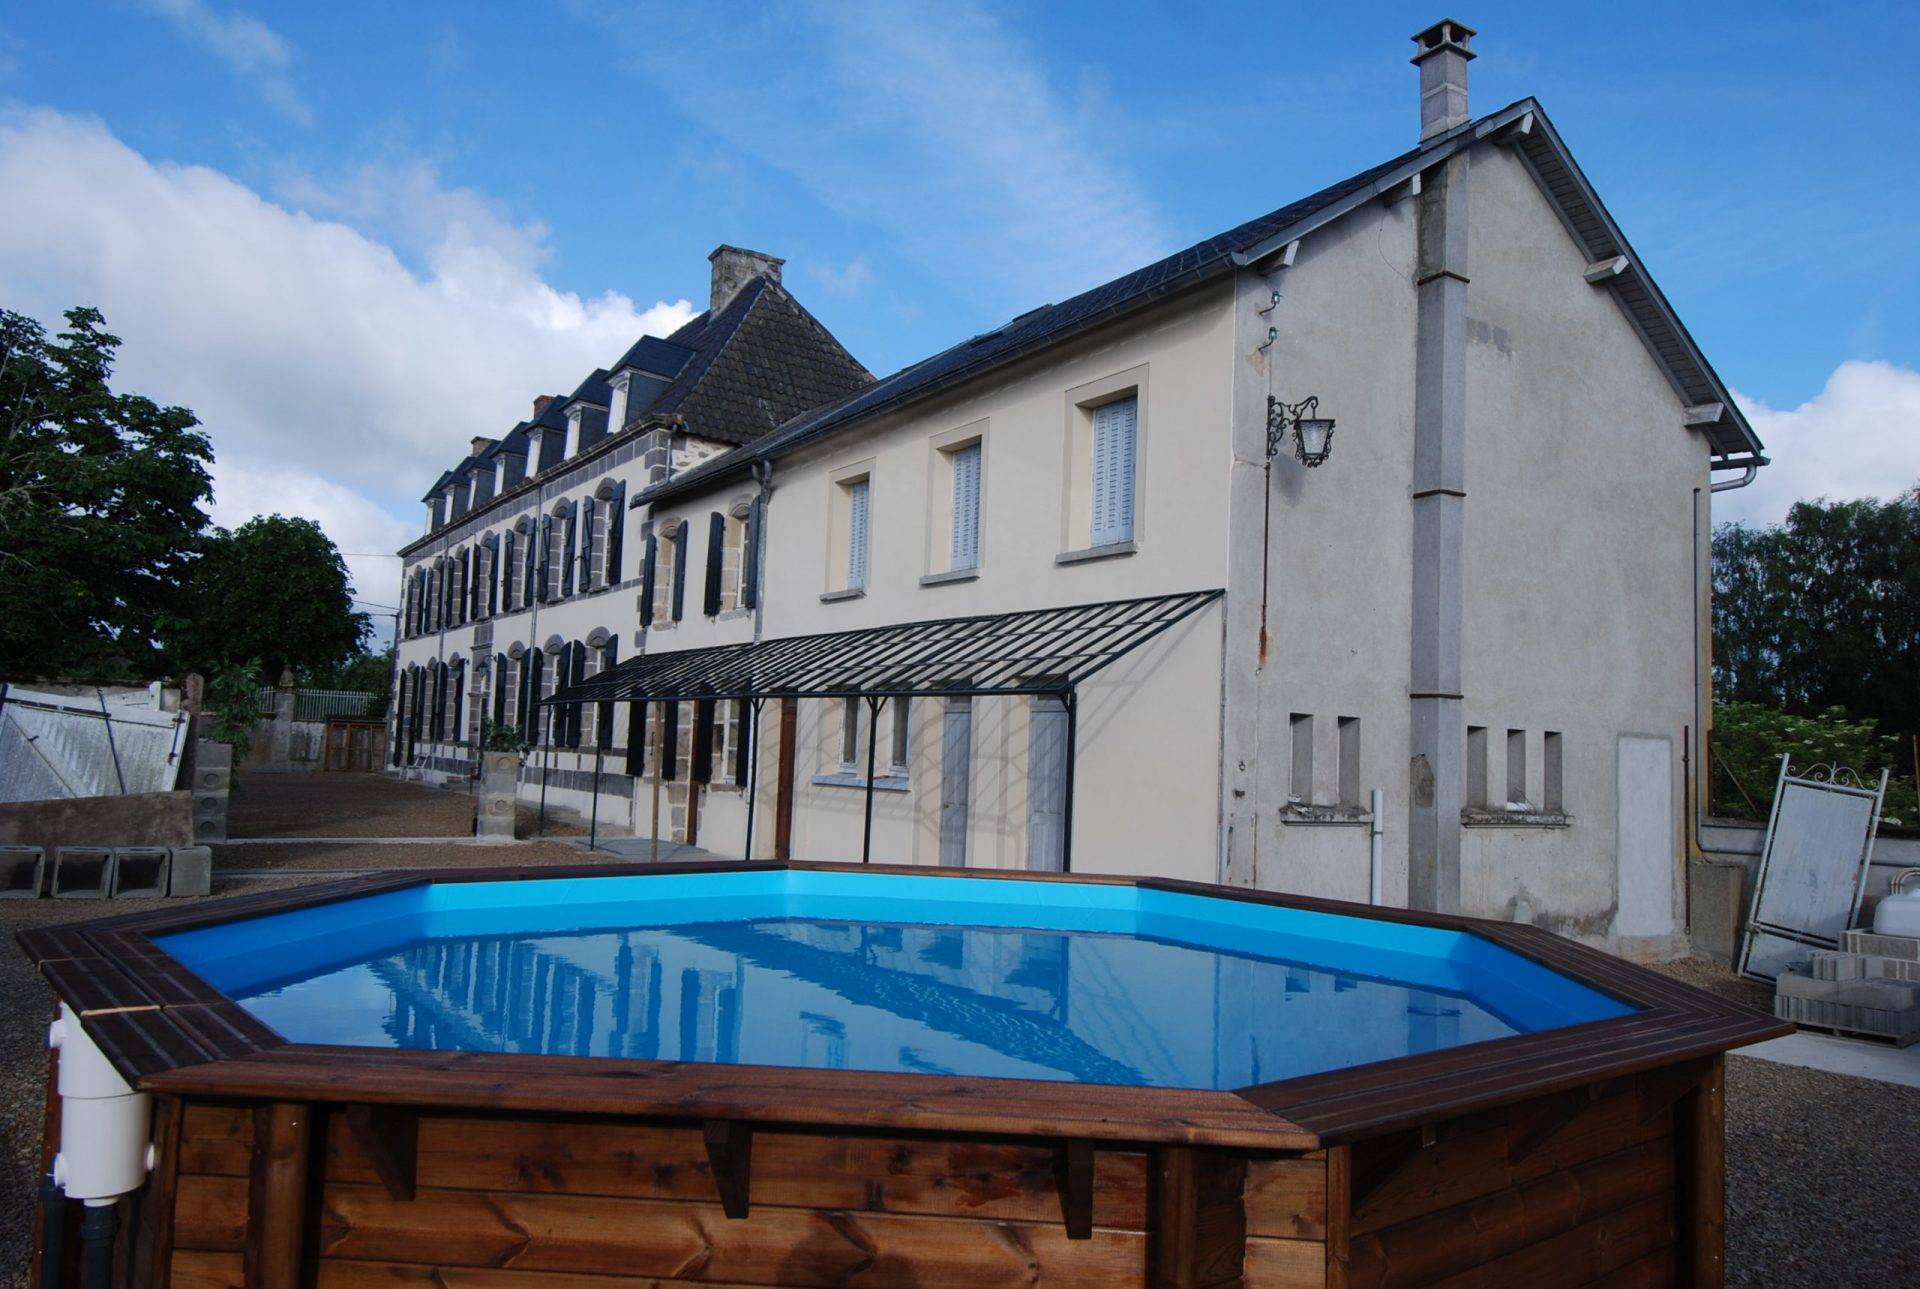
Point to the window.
(1552, 765)
(1111, 494)
(733, 561)
(665, 562)
(1477, 766)
(901, 748)
(858, 493)
(849, 734)
(1516, 767)
(1300, 789)
(964, 552)
(1349, 734)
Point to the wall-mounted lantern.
(1312, 435)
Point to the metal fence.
(319, 704)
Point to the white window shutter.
(857, 534)
(1113, 464)
(966, 508)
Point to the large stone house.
(1458, 650)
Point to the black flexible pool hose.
(96, 1236)
(53, 1233)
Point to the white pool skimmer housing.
(105, 1146)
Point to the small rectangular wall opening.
(1553, 795)
(1477, 766)
(1349, 732)
(1300, 786)
(1516, 765)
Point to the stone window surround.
(938, 537)
(1076, 498)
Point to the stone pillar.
(499, 789)
(280, 744)
(1436, 790)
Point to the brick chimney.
(733, 268)
(540, 404)
(1442, 61)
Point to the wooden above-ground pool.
(811, 1074)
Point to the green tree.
(100, 505)
(1823, 611)
(366, 673)
(274, 589)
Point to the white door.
(1644, 835)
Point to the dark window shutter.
(576, 674)
(700, 768)
(524, 707)
(616, 533)
(493, 574)
(636, 737)
(669, 741)
(507, 555)
(650, 561)
(533, 571)
(585, 580)
(743, 711)
(566, 549)
(561, 716)
(399, 722)
(716, 552)
(458, 684)
(680, 571)
(609, 655)
(439, 699)
(500, 689)
(546, 557)
(750, 557)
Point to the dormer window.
(499, 474)
(575, 416)
(617, 408)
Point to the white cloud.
(335, 380)
(253, 51)
(1858, 437)
(845, 282)
(929, 122)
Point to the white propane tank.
(1899, 913)
(105, 1151)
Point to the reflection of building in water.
(1008, 1002)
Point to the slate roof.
(1253, 240)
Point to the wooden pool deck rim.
(167, 1031)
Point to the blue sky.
(352, 235)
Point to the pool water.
(1122, 992)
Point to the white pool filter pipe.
(105, 1146)
(1376, 803)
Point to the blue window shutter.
(966, 508)
(566, 549)
(616, 533)
(858, 501)
(716, 552)
(545, 585)
(680, 536)
(648, 564)
(750, 557)
(1113, 465)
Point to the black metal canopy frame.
(1038, 652)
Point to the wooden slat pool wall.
(509, 1201)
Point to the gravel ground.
(352, 857)
(342, 804)
(1821, 1189)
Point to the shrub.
(1748, 739)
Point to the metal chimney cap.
(1448, 33)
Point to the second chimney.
(1442, 61)
(733, 268)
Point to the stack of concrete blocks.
(103, 872)
(212, 782)
(1857, 990)
(499, 784)
(191, 871)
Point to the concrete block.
(209, 816)
(1717, 900)
(1902, 1025)
(1860, 966)
(1887, 995)
(23, 872)
(212, 778)
(1881, 946)
(191, 872)
(140, 872)
(82, 873)
(206, 752)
